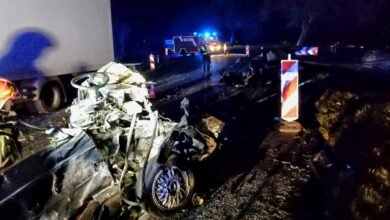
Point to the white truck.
(44, 42)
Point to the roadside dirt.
(270, 190)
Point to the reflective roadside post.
(307, 51)
(247, 50)
(290, 96)
(151, 61)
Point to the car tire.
(171, 189)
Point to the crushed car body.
(148, 157)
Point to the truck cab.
(187, 44)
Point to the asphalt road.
(179, 85)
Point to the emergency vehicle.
(187, 44)
(215, 46)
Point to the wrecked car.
(239, 74)
(244, 70)
(148, 156)
(114, 135)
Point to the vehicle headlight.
(219, 47)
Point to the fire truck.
(191, 44)
(187, 44)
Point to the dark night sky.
(148, 23)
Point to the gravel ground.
(270, 190)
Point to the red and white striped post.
(289, 90)
(307, 51)
(151, 61)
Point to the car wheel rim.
(170, 188)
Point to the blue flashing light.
(207, 34)
(214, 33)
(211, 38)
(195, 33)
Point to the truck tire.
(183, 52)
(50, 99)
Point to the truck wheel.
(50, 99)
(172, 189)
(183, 52)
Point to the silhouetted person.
(206, 61)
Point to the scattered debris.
(197, 200)
(320, 164)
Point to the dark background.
(144, 24)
